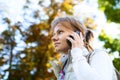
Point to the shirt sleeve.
(100, 67)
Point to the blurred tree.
(113, 45)
(8, 44)
(26, 47)
(110, 43)
(111, 9)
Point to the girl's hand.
(77, 41)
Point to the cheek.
(63, 39)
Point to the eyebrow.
(58, 31)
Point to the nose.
(54, 38)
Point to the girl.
(79, 60)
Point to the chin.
(58, 50)
(61, 49)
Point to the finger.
(70, 39)
(81, 36)
(72, 35)
(77, 35)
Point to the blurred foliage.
(110, 43)
(28, 57)
(111, 9)
(116, 62)
(89, 23)
(113, 45)
(32, 61)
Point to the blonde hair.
(75, 24)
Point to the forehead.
(62, 26)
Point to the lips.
(56, 44)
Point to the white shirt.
(99, 68)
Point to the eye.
(60, 32)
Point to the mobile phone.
(68, 42)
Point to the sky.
(88, 8)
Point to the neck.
(65, 52)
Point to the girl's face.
(59, 38)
